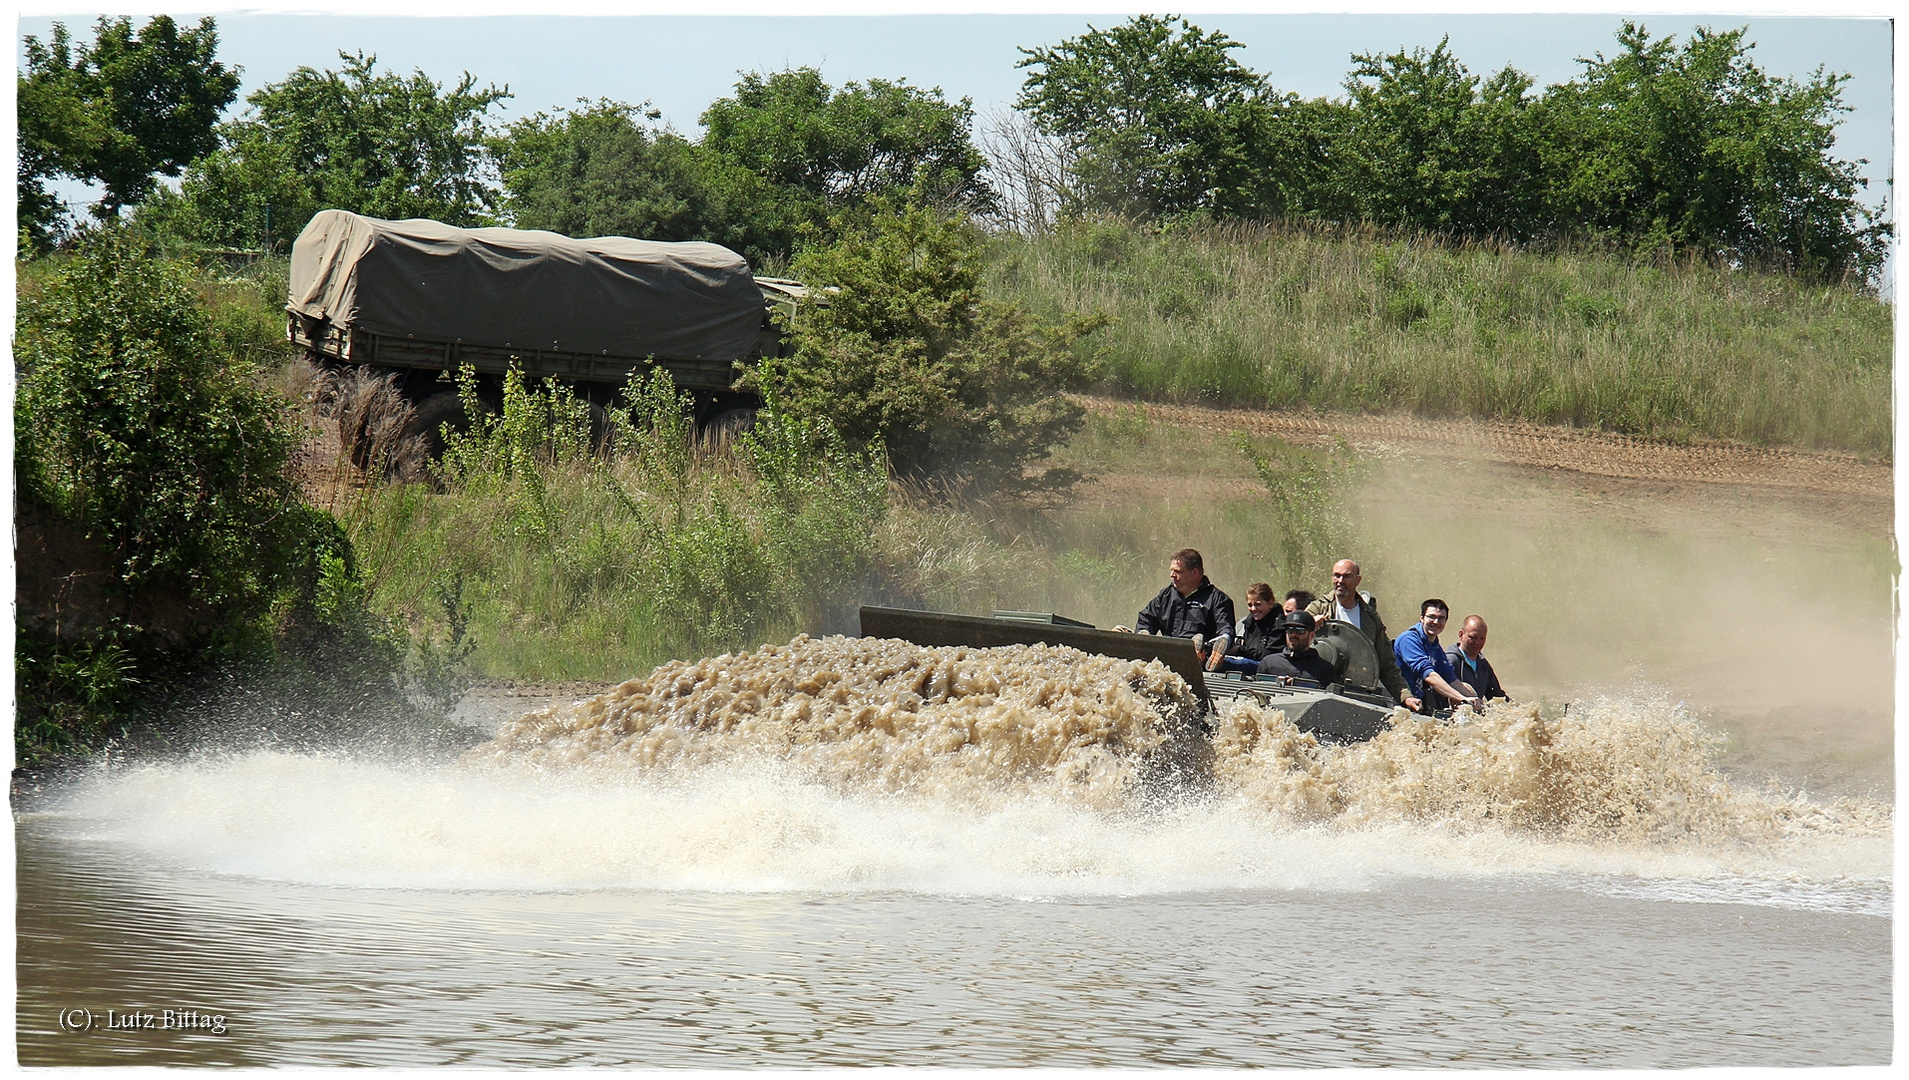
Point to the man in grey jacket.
(1345, 604)
(1468, 659)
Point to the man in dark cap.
(1299, 660)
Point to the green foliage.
(1425, 146)
(910, 354)
(347, 669)
(603, 171)
(70, 694)
(505, 454)
(1159, 122)
(1285, 317)
(115, 112)
(580, 564)
(373, 143)
(139, 425)
(1688, 150)
(1310, 522)
(839, 147)
(1698, 149)
(133, 420)
(597, 171)
(820, 500)
(782, 156)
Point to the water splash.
(879, 715)
(847, 764)
(1609, 771)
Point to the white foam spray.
(850, 764)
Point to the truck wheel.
(354, 438)
(602, 434)
(430, 416)
(725, 427)
(368, 409)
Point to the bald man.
(1346, 605)
(1468, 657)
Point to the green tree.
(910, 353)
(371, 142)
(839, 147)
(1426, 146)
(116, 112)
(135, 421)
(1160, 118)
(1696, 148)
(603, 170)
(597, 171)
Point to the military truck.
(414, 300)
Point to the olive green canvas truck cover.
(524, 289)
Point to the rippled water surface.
(1510, 971)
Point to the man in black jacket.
(1299, 660)
(1191, 607)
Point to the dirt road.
(1850, 489)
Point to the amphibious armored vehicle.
(1352, 710)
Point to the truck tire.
(727, 426)
(430, 416)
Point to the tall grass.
(1284, 316)
(575, 563)
(567, 562)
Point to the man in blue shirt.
(1423, 662)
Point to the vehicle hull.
(1337, 715)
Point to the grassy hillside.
(1282, 316)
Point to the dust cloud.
(1767, 612)
(1772, 622)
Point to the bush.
(1310, 525)
(910, 354)
(163, 543)
(135, 421)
